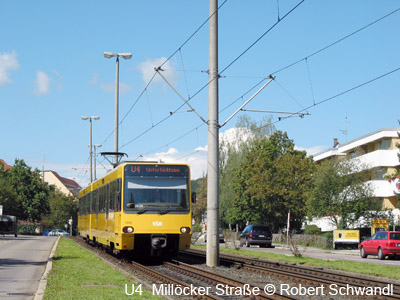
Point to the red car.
(382, 243)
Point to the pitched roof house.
(65, 185)
(6, 166)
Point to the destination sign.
(156, 170)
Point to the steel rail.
(301, 273)
(216, 279)
(168, 280)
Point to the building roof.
(6, 166)
(365, 139)
(70, 184)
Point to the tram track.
(237, 278)
(309, 276)
(176, 280)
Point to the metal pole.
(116, 113)
(94, 158)
(90, 151)
(213, 142)
(94, 162)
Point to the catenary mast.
(213, 142)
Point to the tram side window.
(108, 199)
(102, 199)
(115, 195)
(88, 203)
(95, 201)
(112, 204)
(81, 206)
(84, 205)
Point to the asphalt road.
(353, 255)
(22, 262)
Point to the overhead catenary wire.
(228, 66)
(154, 74)
(292, 64)
(261, 37)
(337, 41)
(306, 108)
(335, 96)
(314, 53)
(196, 128)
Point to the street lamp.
(90, 141)
(124, 56)
(95, 146)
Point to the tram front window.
(144, 194)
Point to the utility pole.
(90, 143)
(124, 56)
(213, 142)
(94, 159)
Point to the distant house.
(378, 152)
(6, 166)
(67, 186)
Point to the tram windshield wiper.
(163, 212)
(147, 207)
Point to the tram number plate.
(157, 223)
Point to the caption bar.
(269, 289)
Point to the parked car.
(58, 232)
(256, 235)
(221, 237)
(382, 244)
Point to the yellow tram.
(144, 207)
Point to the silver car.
(58, 232)
(221, 237)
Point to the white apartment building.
(377, 151)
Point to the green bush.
(27, 229)
(312, 230)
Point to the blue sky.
(52, 72)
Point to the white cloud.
(95, 79)
(42, 83)
(202, 148)
(8, 62)
(108, 87)
(147, 69)
(60, 80)
(312, 150)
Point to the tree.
(273, 178)
(32, 192)
(340, 192)
(200, 206)
(8, 197)
(232, 153)
(62, 208)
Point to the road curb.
(43, 281)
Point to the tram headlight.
(185, 229)
(127, 229)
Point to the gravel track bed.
(255, 279)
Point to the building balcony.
(382, 188)
(379, 158)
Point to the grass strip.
(78, 274)
(384, 271)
